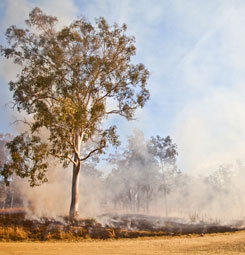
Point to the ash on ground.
(15, 225)
(141, 222)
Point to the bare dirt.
(225, 244)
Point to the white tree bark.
(75, 181)
(75, 192)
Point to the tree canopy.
(139, 179)
(71, 81)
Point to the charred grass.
(14, 226)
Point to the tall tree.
(67, 78)
(166, 152)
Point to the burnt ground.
(15, 226)
(170, 226)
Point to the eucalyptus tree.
(166, 153)
(71, 80)
(135, 176)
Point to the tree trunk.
(165, 191)
(75, 181)
(165, 201)
(12, 200)
(75, 192)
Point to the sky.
(195, 52)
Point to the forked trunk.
(75, 192)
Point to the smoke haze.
(137, 184)
(202, 66)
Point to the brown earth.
(223, 244)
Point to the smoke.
(137, 184)
(210, 131)
(208, 127)
(52, 199)
(217, 197)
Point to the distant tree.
(3, 194)
(4, 138)
(164, 149)
(134, 178)
(221, 179)
(71, 81)
(166, 153)
(4, 154)
(9, 196)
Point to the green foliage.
(67, 78)
(29, 157)
(163, 149)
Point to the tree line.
(145, 178)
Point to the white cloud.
(16, 12)
(66, 11)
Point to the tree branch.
(23, 121)
(62, 157)
(91, 152)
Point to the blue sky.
(195, 51)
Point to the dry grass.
(14, 227)
(13, 233)
(21, 236)
(222, 244)
(72, 233)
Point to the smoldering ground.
(209, 133)
(137, 185)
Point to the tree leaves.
(66, 80)
(29, 159)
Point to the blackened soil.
(14, 225)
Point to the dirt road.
(223, 244)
